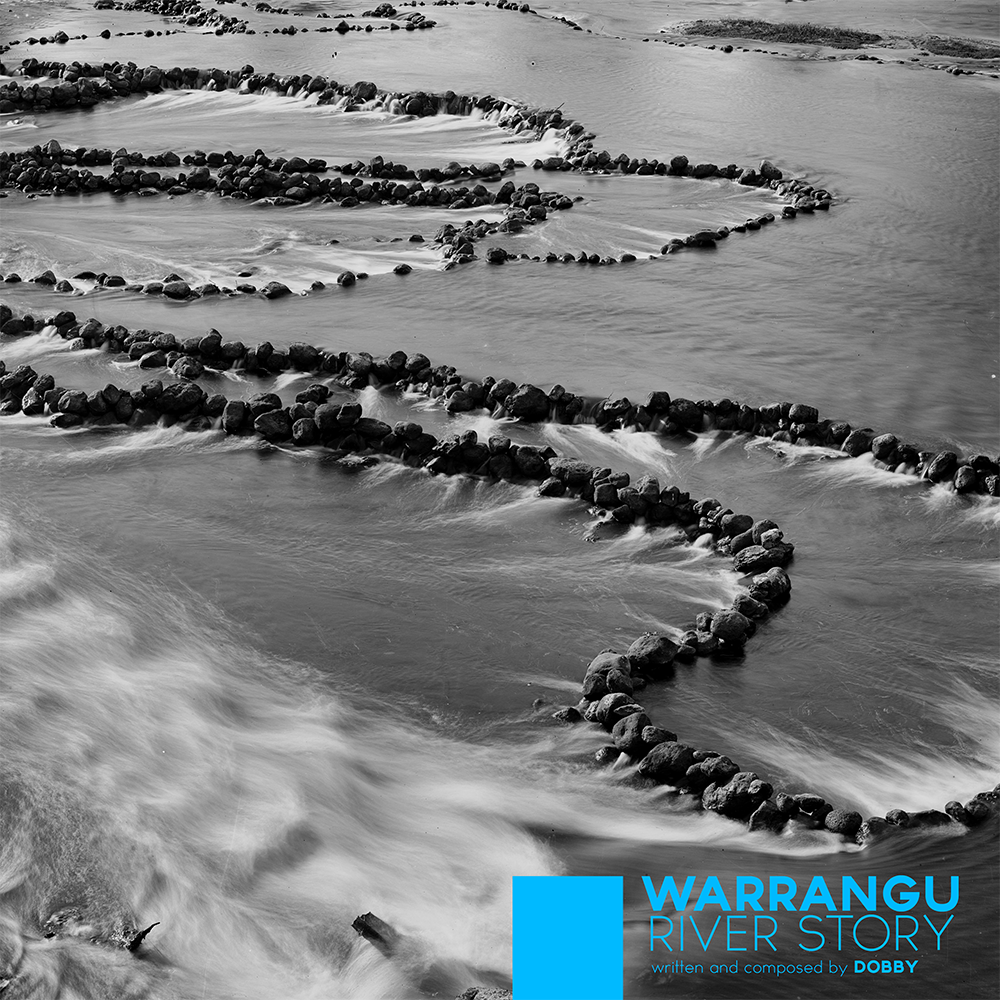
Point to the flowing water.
(249, 695)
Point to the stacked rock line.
(191, 12)
(498, 255)
(313, 419)
(413, 21)
(660, 413)
(87, 84)
(256, 176)
(678, 417)
(611, 678)
(714, 782)
(802, 196)
(120, 80)
(61, 37)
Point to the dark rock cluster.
(659, 413)
(712, 781)
(257, 176)
(191, 12)
(320, 416)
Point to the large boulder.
(274, 425)
(275, 290)
(667, 763)
(652, 653)
(571, 471)
(770, 587)
(884, 446)
(857, 442)
(528, 402)
(627, 733)
(941, 467)
(844, 822)
(235, 416)
(607, 673)
(755, 558)
(262, 402)
(177, 290)
(730, 626)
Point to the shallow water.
(249, 695)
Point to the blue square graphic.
(568, 937)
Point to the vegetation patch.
(957, 48)
(792, 34)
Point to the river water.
(249, 695)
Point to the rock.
(177, 290)
(567, 715)
(739, 798)
(606, 495)
(274, 425)
(652, 735)
(189, 368)
(809, 802)
(573, 472)
(771, 587)
(976, 811)
(372, 429)
(235, 415)
(214, 406)
(606, 756)
(965, 479)
(714, 770)
(844, 822)
(606, 662)
(941, 467)
(767, 169)
(756, 558)
(627, 733)
(749, 607)
(275, 290)
(304, 432)
(883, 446)
(802, 414)
(74, 402)
(552, 487)
(730, 626)
(786, 804)
(930, 818)
(652, 653)
(767, 816)
(667, 763)
(957, 812)
(262, 402)
(857, 442)
(613, 707)
(528, 402)
(181, 397)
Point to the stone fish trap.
(713, 780)
(295, 180)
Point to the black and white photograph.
(499, 501)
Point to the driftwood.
(435, 978)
